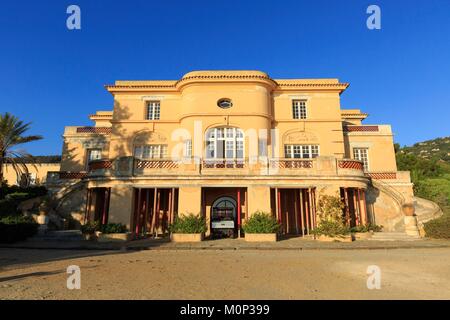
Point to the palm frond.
(12, 134)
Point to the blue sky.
(54, 77)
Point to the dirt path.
(245, 274)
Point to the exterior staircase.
(426, 210)
(392, 236)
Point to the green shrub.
(113, 228)
(36, 191)
(437, 190)
(17, 228)
(90, 227)
(12, 196)
(331, 229)
(261, 222)
(330, 208)
(18, 196)
(367, 228)
(8, 207)
(189, 223)
(439, 228)
(330, 219)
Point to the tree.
(12, 135)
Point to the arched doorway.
(223, 217)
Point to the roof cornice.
(227, 77)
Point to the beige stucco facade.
(181, 146)
(37, 173)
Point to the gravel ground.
(225, 274)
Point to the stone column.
(190, 200)
(121, 205)
(258, 199)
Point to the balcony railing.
(351, 164)
(366, 128)
(130, 166)
(382, 175)
(156, 164)
(291, 163)
(224, 163)
(53, 176)
(98, 130)
(100, 165)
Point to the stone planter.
(89, 236)
(411, 228)
(42, 219)
(186, 237)
(261, 237)
(114, 237)
(324, 238)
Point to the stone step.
(64, 235)
(392, 236)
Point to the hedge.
(261, 222)
(188, 224)
(17, 228)
(439, 228)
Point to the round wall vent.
(225, 103)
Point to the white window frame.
(231, 138)
(150, 151)
(153, 111)
(291, 150)
(89, 157)
(299, 109)
(188, 148)
(358, 155)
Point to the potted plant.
(188, 228)
(331, 226)
(261, 226)
(408, 209)
(89, 229)
(113, 232)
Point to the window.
(225, 143)
(151, 151)
(153, 110)
(362, 154)
(299, 109)
(188, 148)
(262, 147)
(27, 179)
(301, 151)
(94, 154)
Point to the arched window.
(225, 143)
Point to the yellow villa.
(225, 144)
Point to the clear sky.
(54, 77)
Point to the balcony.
(350, 167)
(321, 166)
(103, 167)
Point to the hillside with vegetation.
(429, 163)
(437, 149)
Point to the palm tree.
(11, 135)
